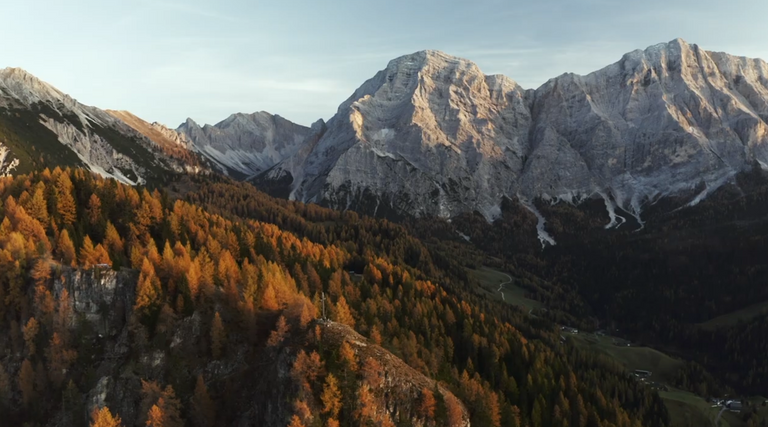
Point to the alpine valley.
(449, 249)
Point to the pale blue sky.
(171, 59)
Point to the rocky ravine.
(432, 135)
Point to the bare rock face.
(101, 296)
(246, 144)
(93, 138)
(432, 135)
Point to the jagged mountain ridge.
(40, 126)
(244, 145)
(432, 135)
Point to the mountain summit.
(432, 135)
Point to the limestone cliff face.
(101, 296)
(432, 135)
(245, 144)
(102, 142)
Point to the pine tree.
(203, 407)
(104, 418)
(217, 336)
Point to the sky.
(167, 60)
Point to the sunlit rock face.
(246, 144)
(432, 135)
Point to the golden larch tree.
(87, 253)
(65, 202)
(277, 336)
(65, 249)
(344, 313)
(93, 212)
(104, 418)
(331, 397)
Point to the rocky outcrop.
(101, 296)
(432, 135)
(245, 145)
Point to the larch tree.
(427, 404)
(65, 249)
(217, 336)
(62, 316)
(87, 253)
(295, 422)
(30, 335)
(269, 299)
(156, 416)
(37, 207)
(60, 358)
(113, 241)
(366, 405)
(147, 289)
(371, 371)
(344, 313)
(65, 202)
(277, 336)
(104, 418)
(203, 407)
(26, 382)
(331, 397)
(193, 279)
(455, 413)
(93, 213)
(41, 272)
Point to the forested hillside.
(123, 306)
(666, 283)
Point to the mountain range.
(431, 135)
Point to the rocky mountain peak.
(432, 135)
(28, 89)
(244, 145)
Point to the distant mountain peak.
(432, 135)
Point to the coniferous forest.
(201, 304)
